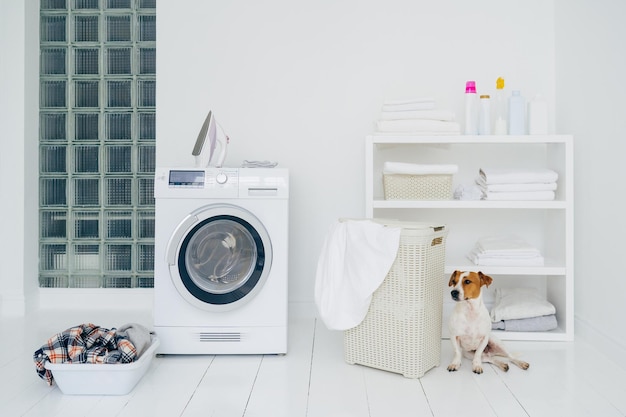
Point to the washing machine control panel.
(197, 182)
(224, 182)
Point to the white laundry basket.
(402, 330)
(102, 378)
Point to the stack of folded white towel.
(517, 184)
(505, 251)
(417, 116)
(522, 310)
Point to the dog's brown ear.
(484, 279)
(453, 278)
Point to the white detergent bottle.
(517, 114)
(484, 117)
(499, 109)
(538, 116)
(471, 108)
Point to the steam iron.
(211, 136)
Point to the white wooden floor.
(565, 379)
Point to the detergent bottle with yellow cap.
(499, 109)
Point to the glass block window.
(97, 143)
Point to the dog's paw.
(454, 367)
(521, 364)
(477, 369)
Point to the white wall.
(591, 90)
(302, 83)
(18, 150)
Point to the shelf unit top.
(468, 204)
(399, 138)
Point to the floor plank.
(225, 389)
(552, 385)
(337, 389)
(281, 388)
(391, 394)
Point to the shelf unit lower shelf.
(556, 335)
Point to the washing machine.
(221, 248)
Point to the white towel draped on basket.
(354, 261)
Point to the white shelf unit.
(547, 225)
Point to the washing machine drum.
(222, 257)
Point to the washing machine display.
(186, 178)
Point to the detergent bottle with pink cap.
(471, 108)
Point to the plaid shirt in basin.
(85, 343)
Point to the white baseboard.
(601, 341)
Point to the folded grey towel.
(138, 335)
(532, 324)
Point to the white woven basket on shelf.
(417, 187)
(402, 330)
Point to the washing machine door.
(219, 257)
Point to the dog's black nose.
(455, 294)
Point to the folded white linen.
(354, 261)
(443, 115)
(485, 260)
(409, 106)
(504, 244)
(514, 187)
(419, 169)
(504, 251)
(520, 196)
(419, 125)
(398, 102)
(531, 324)
(424, 133)
(511, 176)
(519, 303)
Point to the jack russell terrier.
(470, 325)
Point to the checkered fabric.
(85, 343)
